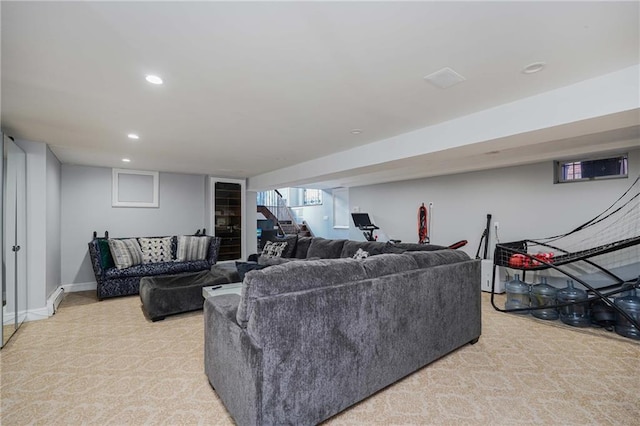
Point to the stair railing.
(274, 201)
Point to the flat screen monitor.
(361, 219)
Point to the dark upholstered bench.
(174, 294)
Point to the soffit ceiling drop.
(254, 87)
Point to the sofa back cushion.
(372, 247)
(325, 249)
(427, 259)
(155, 250)
(192, 248)
(302, 247)
(126, 252)
(415, 247)
(295, 276)
(387, 264)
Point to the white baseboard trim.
(37, 314)
(70, 288)
(54, 300)
(28, 315)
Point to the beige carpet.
(103, 363)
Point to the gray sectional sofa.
(307, 339)
(322, 248)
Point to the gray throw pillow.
(125, 253)
(192, 248)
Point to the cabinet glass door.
(228, 219)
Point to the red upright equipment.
(423, 231)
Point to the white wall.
(86, 207)
(523, 199)
(36, 227)
(320, 218)
(53, 244)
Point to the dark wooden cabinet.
(228, 219)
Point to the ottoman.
(174, 294)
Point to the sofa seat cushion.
(295, 276)
(387, 264)
(427, 259)
(325, 249)
(372, 247)
(152, 269)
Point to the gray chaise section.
(308, 352)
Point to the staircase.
(273, 207)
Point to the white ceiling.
(254, 87)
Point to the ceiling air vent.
(444, 78)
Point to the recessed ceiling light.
(133, 136)
(533, 68)
(356, 131)
(153, 79)
(126, 160)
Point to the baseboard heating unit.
(54, 301)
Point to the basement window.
(584, 169)
(312, 197)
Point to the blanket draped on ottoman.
(173, 294)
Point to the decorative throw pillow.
(106, 260)
(125, 252)
(155, 250)
(192, 248)
(361, 254)
(291, 240)
(272, 249)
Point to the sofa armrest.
(232, 361)
(225, 306)
(214, 250)
(94, 255)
